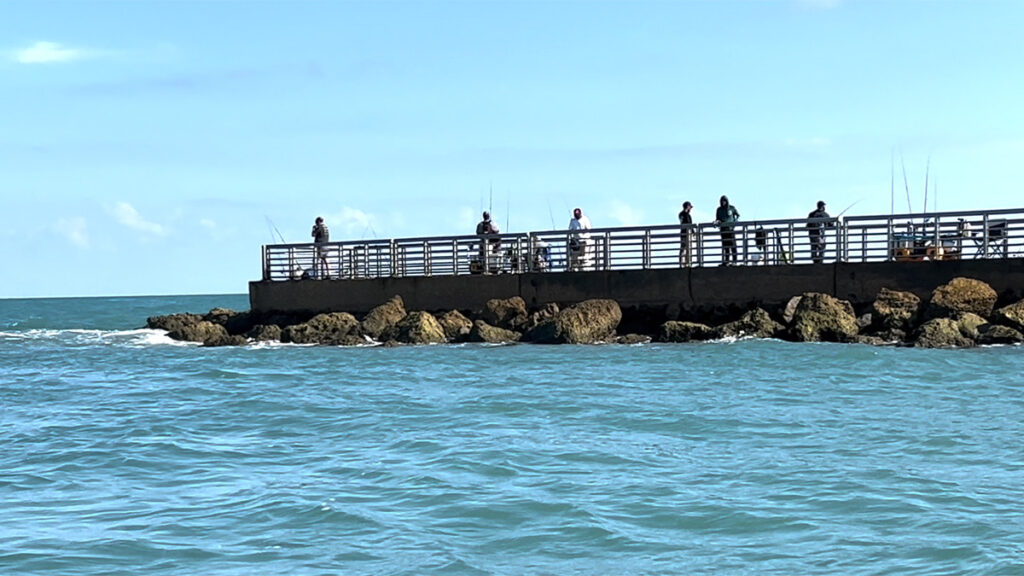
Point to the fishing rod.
(840, 215)
(270, 223)
(906, 185)
(926, 169)
(892, 182)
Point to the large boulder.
(335, 328)
(823, 318)
(755, 323)
(588, 322)
(508, 313)
(998, 334)
(418, 328)
(264, 333)
(382, 318)
(631, 339)
(543, 314)
(235, 323)
(894, 311)
(172, 322)
(484, 332)
(941, 333)
(226, 340)
(961, 295)
(790, 309)
(679, 331)
(1012, 316)
(455, 325)
(970, 324)
(199, 332)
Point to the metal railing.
(900, 237)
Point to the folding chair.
(994, 242)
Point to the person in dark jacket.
(816, 232)
(490, 244)
(725, 215)
(685, 233)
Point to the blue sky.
(145, 145)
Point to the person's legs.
(684, 250)
(817, 248)
(728, 247)
(322, 256)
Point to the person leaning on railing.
(725, 215)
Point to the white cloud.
(624, 214)
(350, 223)
(49, 53)
(75, 230)
(208, 224)
(127, 215)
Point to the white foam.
(89, 337)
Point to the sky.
(151, 147)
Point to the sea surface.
(123, 452)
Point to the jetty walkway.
(646, 266)
(903, 237)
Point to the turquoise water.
(125, 453)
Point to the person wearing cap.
(321, 236)
(487, 228)
(725, 215)
(685, 233)
(579, 241)
(816, 232)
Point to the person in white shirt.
(579, 241)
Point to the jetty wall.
(694, 291)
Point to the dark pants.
(817, 247)
(728, 245)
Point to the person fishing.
(579, 240)
(685, 233)
(725, 215)
(816, 231)
(321, 237)
(489, 244)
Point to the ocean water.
(122, 452)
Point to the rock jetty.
(962, 313)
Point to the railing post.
(427, 264)
(984, 236)
(647, 249)
(746, 248)
(890, 240)
(529, 253)
(791, 243)
(455, 257)
(699, 246)
(606, 253)
(266, 263)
